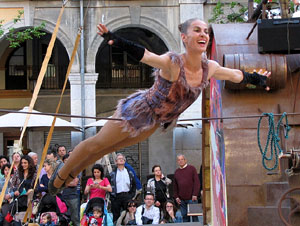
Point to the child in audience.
(96, 219)
(47, 220)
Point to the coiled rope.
(272, 139)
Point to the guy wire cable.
(118, 119)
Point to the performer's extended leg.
(109, 138)
(125, 143)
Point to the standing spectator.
(61, 151)
(171, 215)
(128, 216)
(123, 187)
(137, 180)
(147, 213)
(49, 167)
(23, 179)
(16, 157)
(98, 185)
(70, 195)
(8, 193)
(159, 186)
(79, 183)
(3, 161)
(186, 186)
(35, 158)
(51, 155)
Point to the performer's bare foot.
(57, 183)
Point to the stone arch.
(61, 35)
(147, 23)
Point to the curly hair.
(100, 168)
(31, 167)
(51, 163)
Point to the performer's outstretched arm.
(169, 70)
(238, 76)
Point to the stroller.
(107, 220)
(18, 209)
(48, 204)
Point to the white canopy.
(15, 121)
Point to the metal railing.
(119, 76)
(54, 76)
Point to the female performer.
(180, 78)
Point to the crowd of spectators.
(119, 189)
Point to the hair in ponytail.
(185, 25)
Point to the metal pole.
(140, 160)
(82, 68)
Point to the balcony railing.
(119, 76)
(131, 76)
(54, 76)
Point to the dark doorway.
(24, 63)
(16, 73)
(9, 140)
(117, 69)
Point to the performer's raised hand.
(105, 33)
(263, 81)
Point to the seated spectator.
(3, 161)
(49, 167)
(24, 178)
(159, 186)
(171, 215)
(128, 216)
(98, 185)
(8, 192)
(147, 213)
(97, 217)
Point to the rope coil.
(272, 139)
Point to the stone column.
(90, 103)
(36, 142)
(190, 9)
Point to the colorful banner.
(218, 176)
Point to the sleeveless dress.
(162, 103)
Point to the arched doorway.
(117, 69)
(24, 63)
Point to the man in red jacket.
(186, 186)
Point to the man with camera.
(147, 213)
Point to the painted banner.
(218, 176)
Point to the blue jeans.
(183, 209)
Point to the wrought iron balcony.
(129, 76)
